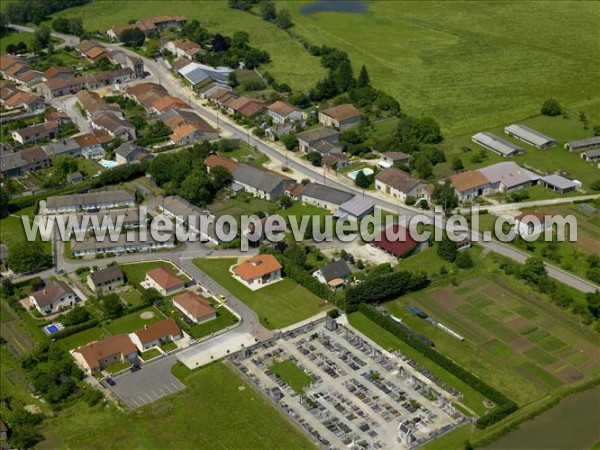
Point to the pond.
(335, 6)
(570, 425)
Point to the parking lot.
(151, 382)
(359, 395)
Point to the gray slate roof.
(358, 206)
(326, 193)
(318, 134)
(51, 293)
(584, 143)
(335, 269)
(58, 148)
(493, 142)
(262, 180)
(559, 182)
(103, 275)
(529, 134)
(91, 198)
(509, 173)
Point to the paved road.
(277, 153)
(548, 202)
(69, 39)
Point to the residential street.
(302, 169)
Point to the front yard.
(278, 305)
(136, 272)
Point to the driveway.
(150, 383)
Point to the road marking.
(161, 391)
(176, 386)
(135, 404)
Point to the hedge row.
(303, 278)
(68, 331)
(384, 287)
(504, 405)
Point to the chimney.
(145, 327)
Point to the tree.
(595, 186)
(423, 167)
(61, 25)
(4, 203)
(232, 79)
(445, 196)
(596, 130)
(533, 270)
(457, 164)
(76, 26)
(344, 76)
(593, 303)
(361, 180)
(149, 296)
(196, 188)
(464, 260)
(446, 249)
(425, 130)
(219, 43)
(76, 316)
(284, 19)
(221, 177)
(290, 141)
(11, 49)
(551, 107)
(363, 78)
(151, 49)
(27, 257)
(111, 305)
(41, 36)
(240, 40)
(133, 37)
(315, 158)
(267, 10)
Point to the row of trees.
(268, 11)
(504, 406)
(36, 11)
(68, 26)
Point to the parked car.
(110, 382)
(135, 368)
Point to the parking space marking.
(161, 391)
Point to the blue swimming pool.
(108, 164)
(366, 171)
(53, 328)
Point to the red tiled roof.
(196, 305)
(396, 240)
(216, 160)
(257, 266)
(342, 112)
(165, 278)
(158, 330)
(94, 352)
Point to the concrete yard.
(360, 394)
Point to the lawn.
(135, 273)
(293, 376)
(560, 128)
(246, 154)
(429, 261)
(278, 305)
(242, 203)
(468, 64)
(243, 419)
(300, 71)
(14, 38)
(12, 231)
(118, 366)
(152, 353)
(168, 346)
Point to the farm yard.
(506, 331)
(278, 305)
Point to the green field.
(14, 38)
(513, 339)
(190, 419)
(469, 64)
(300, 71)
(12, 231)
(293, 376)
(278, 305)
(548, 161)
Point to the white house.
(55, 296)
(530, 223)
(195, 307)
(164, 281)
(156, 334)
(258, 271)
(400, 184)
(282, 112)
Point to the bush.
(551, 107)
(68, 331)
(464, 260)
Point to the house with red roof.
(164, 281)
(194, 307)
(396, 240)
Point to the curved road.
(274, 152)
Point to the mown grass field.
(292, 375)
(136, 273)
(290, 63)
(12, 231)
(14, 38)
(190, 419)
(469, 64)
(278, 305)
